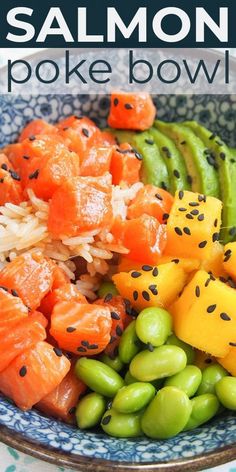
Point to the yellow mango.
(187, 264)
(151, 286)
(204, 315)
(229, 261)
(193, 225)
(229, 361)
(214, 263)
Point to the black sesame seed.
(213, 135)
(135, 295)
(211, 276)
(150, 347)
(182, 209)
(1, 181)
(119, 331)
(81, 349)
(112, 339)
(23, 371)
(227, 255)
(32, 137)
(211, 308)
(147, 268)
(146, 295)
(176, 261)
(215, 237)
(72, 410)
(189, 216)
(176, 174)
(193, 204)
(109, 404)
(57, 351)
(163, 185)
(202, 198)
(135, 274)
(165, 149)
(14, 175)
(231, 282)
(181, 194)
(70, 329)
(115, 101)
(115, 315)
(233, 161)
(207, 282)
(215, 222)
(223, 279)
(187, 231)
(219, 143)
(14, 293)
(197, 291)
(202, 244)
(93, 346)
(183, 142)
(85, 132)
(158, 196)
(108, 297)
(106, 420)
(232, 231)
(65, 128)
(225, 317)
(222, 156)
(178, 231)
(26, 157)
(153, 289)
(4, 166)
(194, 212)
(210, 161)
(128, 106)
(189, 179)
(201, 217)
(4, 288)
(8, 259)
(155, 272)
(149, 141)
(232, 344)
(85, 343)
(34, 174)
(165, 216)
(138, 156)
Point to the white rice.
(24, 227)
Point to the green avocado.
(224, 159)
(193, 150)
(154, 170)
(175, 164)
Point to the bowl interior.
(216, 112)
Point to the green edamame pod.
(133, 397)
(226, 392)
(90, 410)
(121, 425)
(129, 344)
(153, 325)
(189, 351)
(187, 380)
(106, 288)
(115, 363)
(98, 376)
(204, 407)
(210, 376)
(163, 361)
(167, 414)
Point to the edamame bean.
(153, 325)
(129, 344)
(163, 361)
(98, 376)
(187, 380)
(210, 376)
(189, 351)
(204, 407)
(226, 392)
(167, 414)
(106, 288)
(129, 379)
(90, 410)
(115, 363)
(121, 425)
(134, 397)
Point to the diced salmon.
(96, 161)
(49, 164)
(131, 111)
(5, 164)
(30, 276)
(39, 317)
(107, 138)
(151, 200)
(15, 154)
(10, 185)
(62, 401)
(34, 374)
(60, 278)
(65, 293)
(125, 165)
(145, 238)
(37, 127)
(12, 309)
(80, 204)
(79, 134)
(28, 332)
(81, 328)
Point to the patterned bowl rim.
(80, 463)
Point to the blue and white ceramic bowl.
(65, 445)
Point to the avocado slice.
(154, 170)
(204, 174)
(177, 170)
(223, 157)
